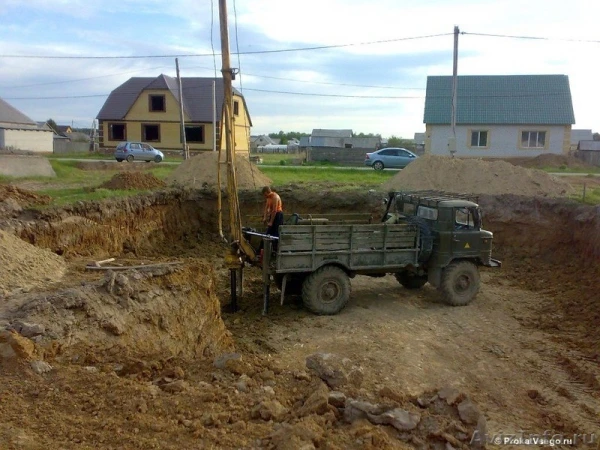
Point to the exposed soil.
(113, 165)
(143, 358)
(476, 176)
(23, 266)
(199, 172)
(23, 197)
(550, 160)
(133, 180)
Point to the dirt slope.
(476, 176)
(200, 171)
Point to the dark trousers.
(273, 230)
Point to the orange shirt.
(272, 206)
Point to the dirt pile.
(129, 180)
(476, 176)
(200, 171)
(550, 160)
(23, 197)
(24, 266)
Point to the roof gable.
(500, 99)
(197, 96)
(11, 115)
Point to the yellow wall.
(170, 127)
(567, 140)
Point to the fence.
(336, 155)
(66, 146)
(589, 156)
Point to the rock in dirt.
(13, 345)
(450, 394)
(303, 435)
(468, 412)
(398, 418)
(220, 362)
(359, 409)
(269, 410)
(175, 387)
(40, 367)
(332, 369)
(337, 399)
(27, 329)
(317, 402)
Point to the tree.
(52, 124)
(395, 141)
(596, 136)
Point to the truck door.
(465, 236)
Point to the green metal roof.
(500, 99)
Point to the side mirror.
(385, 201)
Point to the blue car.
(137, 151)
(390, 157)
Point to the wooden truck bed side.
(364, 247)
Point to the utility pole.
(182, 132)
(242, 247)
(452, 140)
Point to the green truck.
(424, 236)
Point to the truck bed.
(357, 247)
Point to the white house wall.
(503, 140)
(30, 140)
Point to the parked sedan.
(137, 151)
(391, 157)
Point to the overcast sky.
(370, 87)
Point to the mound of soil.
(550, 160)
(200, 171)
(476, 176)
(21, 196)
(24, 266)
(129, 180)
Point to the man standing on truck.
(273, 215)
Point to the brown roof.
(197, 96)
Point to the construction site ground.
(145, 358)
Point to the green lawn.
(349, 177)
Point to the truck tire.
(326, 291)
(460, 283)
(410, 280)
(426, 241)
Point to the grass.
(98, 155)
(350, 177)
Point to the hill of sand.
(200, 171)
(476, 176)
(23, 265)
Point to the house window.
(157, 103)
(479, 138)
(194, 134)
(117, 132)
(533, 139)
(151, 133)
(236, 108)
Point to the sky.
(60, 59)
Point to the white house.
(19, 132)
(499, 116)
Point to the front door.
(466, 238)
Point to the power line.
(536, 38)
(328, 95)
(256, 52)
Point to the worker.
(273, 215)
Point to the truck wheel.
(460, 283)
(326, 291)
(410, 280)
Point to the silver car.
(137, 151)
(390, 157)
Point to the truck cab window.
(463, 219)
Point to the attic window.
(236, 108)
(157, 103)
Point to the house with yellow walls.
(148, 109)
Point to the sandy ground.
(25, 166)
